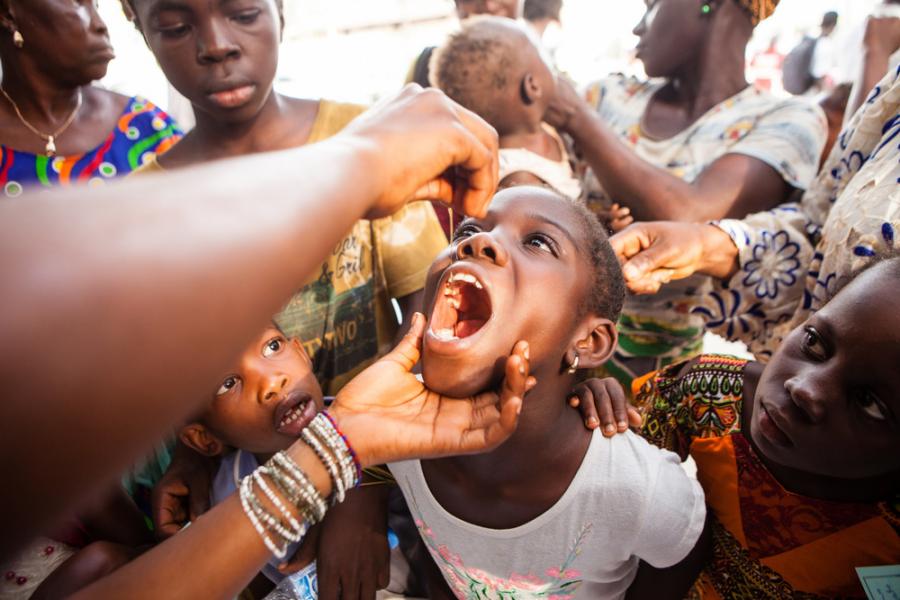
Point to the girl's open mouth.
(461, 309)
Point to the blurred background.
(360, 50)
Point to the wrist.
(360, 154)
(720, 254)
(579, 121)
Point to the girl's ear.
(595, 342)
(530, 90)
(201, 440)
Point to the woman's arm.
(110, 293)
(880, 41)
(215, 557)
(387, 415)
(732, 186)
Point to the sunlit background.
(359, 50)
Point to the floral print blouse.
(794, 258)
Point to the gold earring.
(18, 40)
(574, 366)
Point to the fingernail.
(630, 272)
(522, 369)
(519, 409)
(527, 352)
(623, 425)
(609, 428)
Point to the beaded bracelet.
(312, 495)
(246, 492)
(347, 445)
(321, 428)
(329, 462)
(277, 525)
(279, 505)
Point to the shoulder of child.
(648, 497)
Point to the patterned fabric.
(702, 402)
(768, 542)
(141, 132)
(788, 135)
(343, 313)
(23, 573)
(794, 258)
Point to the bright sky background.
(359, 50)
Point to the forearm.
(184, 567)
(214, 265)
(651, 193)
(874, 66)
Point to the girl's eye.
(247, 18)
(272, 347)
(812, 344)
(464, 231)
(541, 242)
(227, 385)
(872, 406)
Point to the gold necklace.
(50, 149)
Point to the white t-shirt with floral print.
(629, 501)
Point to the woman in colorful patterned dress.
(694, 142)
(799, 459)
(774, 269)
(55, 127)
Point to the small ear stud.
(18, 40)
(705, 9)
(574, 366)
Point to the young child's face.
(269, 397)
(519, 273)
(222, 56)
(829, 401)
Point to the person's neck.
(44, 101)
(716, 75)
(547, 422)
(531, 136)
(211, 139)
(811, 485)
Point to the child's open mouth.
(294, 413)
(461, 309)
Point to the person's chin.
(448, 378)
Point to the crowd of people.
(449, 346)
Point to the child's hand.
(350, 547)
(606, 398)
(615, 217)
(182, 494)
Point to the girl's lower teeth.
(445, 334)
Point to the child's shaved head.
(476, 66)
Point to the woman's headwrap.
(759, 9)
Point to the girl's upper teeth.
(467, 277)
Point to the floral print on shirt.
(557, 583)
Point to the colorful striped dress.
(142, 131)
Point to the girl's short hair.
(606, 294)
